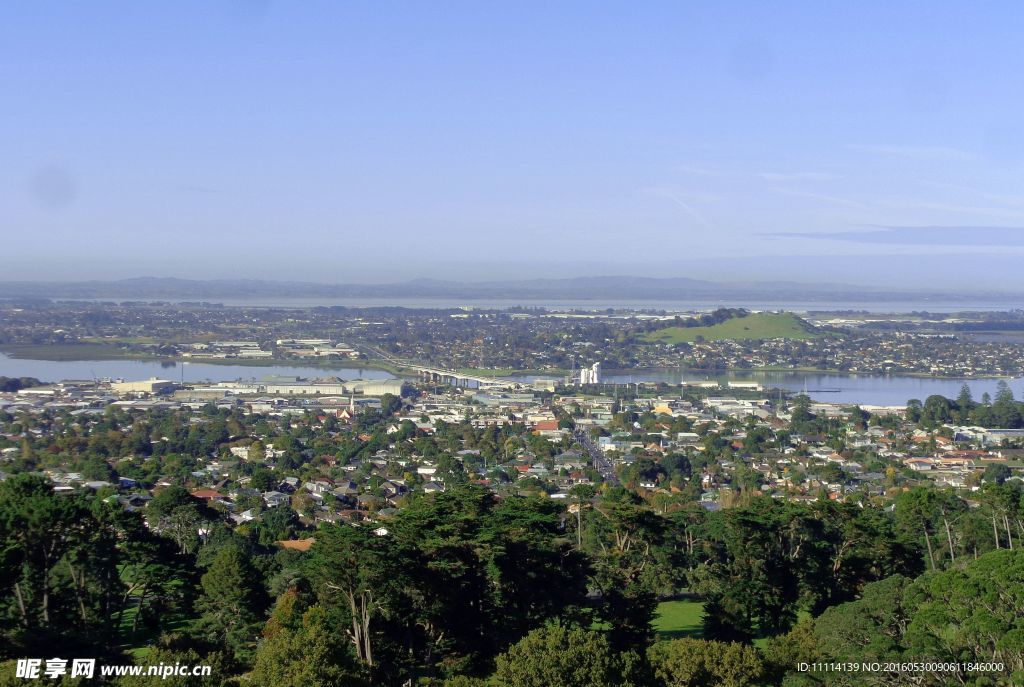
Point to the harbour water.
(54, 370)
(859, 389)
(597, 304)
(837, 388)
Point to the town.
(482, 344)
(361, 442)
(522, 340)
(499, 417)
(273, 466)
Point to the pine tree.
(233, 601)
(301, 650)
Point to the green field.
(763, 325)
(675, 619)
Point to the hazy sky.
(370, 141)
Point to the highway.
(450, 377)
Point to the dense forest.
(463, 588)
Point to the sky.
(869, 142)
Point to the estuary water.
(854, 389)
(596, 304)
(56, 370)
(861, 389)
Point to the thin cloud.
(686, 207)
(198, 189)
(915, 152)
(928, 236)
(819, 196)
(1005, 214)
(699, 171)
(797, 176)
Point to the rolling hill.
(763, 325)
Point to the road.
(439, 374)
(597, 457)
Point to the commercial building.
(591, 375)
(146, 386)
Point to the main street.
(597, 457)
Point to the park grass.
(679, 618)
(685, 618)
(764, 325)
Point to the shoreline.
(61, 354)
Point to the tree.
(58, 567)
(869, 629)
(582, 494)
(351, 569)
(276, 524)
(556, 656)
(996, 473)
(262, 479)
(784, 652)
(753, 581)
(300, 649)
(924, 513)
(232, 602)
(937, 410)
(175, 649)
(459, 578)
(697, 662)
(964, 403)
(390, 404)
(626, 543)
(257, 451)
(175, 514)
(969, 613)
(158, 579)
(1005, 411)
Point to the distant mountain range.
(577, 288)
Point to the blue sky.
(367, 141)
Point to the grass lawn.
(685, 618)
(682, 618)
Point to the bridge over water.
(440, 375)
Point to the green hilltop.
(764, 325)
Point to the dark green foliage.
(9, 384)
(458, 579)
(275, 524)
(630, 539)
(766, 560)
(232, 603)
(300, 649)
(697, 662)
(58, 568)
(556, 656)
(71, 569)
(966, 614)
